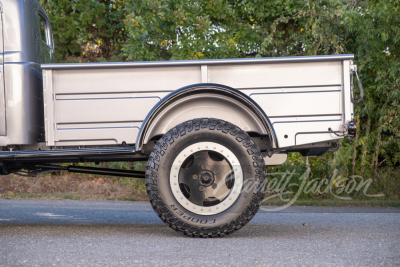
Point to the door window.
(44, 30)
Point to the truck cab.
(25, 43)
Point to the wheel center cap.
(206, 178)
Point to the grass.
(43, 196)
(339, 203)
(51, 196)
(77, 187)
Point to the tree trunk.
(364, 148)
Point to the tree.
(177, 29)
(87, 30)
(374, 38)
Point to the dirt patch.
(80, 186)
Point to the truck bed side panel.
(108, 106)
(107, 103)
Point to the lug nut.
(216, 172)
(203, 167)
(195, 177)
(201, 188)
(214, 186)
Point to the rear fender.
(205, 100)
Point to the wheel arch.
(204, 100)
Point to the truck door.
(2, 91)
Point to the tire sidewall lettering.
(191, 218)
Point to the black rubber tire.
(159, 167)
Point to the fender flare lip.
(200, 88)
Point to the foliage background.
(140, 30)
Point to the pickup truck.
(207, 128)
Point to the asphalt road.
(113, 233)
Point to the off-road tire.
(178, 217)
